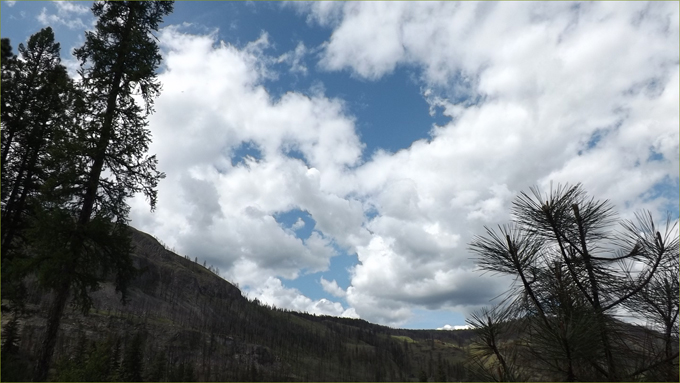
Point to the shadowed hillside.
(183, 322)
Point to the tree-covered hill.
(184, 322)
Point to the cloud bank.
(536, 93)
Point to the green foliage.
(6, 50)
(184, 372)
(106, 249)
(572, 273)
(36, 94)
(72, 155)
(91, 362)
(157, 370)
(13, 364)
(131, 369)
(187, 314)
(10, 337)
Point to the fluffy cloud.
(68, 13)
(223, 211)
(332, 288)
(557, 92)
(271, 291)
(537, 93)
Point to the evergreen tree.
(10, 337)
(572, 274)
(114, 369)
(12, 364)
(87, 233)
(189, 374)
(36, 97)
(176, 373)
(441, 374)
(6, 51)
(157, 370)
(131, 369)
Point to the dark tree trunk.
(47, 347)
(50, 339)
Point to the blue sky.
(337, 158)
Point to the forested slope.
(183, 322)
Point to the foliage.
(14, 365)
(132, 366)
(573, 276)
(36, 96)
(157, 370)
(87, 163)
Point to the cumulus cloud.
(10, 3)
(559, 92)
(69, 14)
(332, 288)
(224, 212)
(537, 92)
(274, 293)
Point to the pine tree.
(157, 370)
(13, 365)
(10, 337)
(98, 366)
(572, 274)
(189, 374)
(6, 51)
(88, 233)
(176, 373)
(422, 377)
(114, 369)
(36, 96)
(131, 369)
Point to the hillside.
(190, 324)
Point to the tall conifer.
(86, 237)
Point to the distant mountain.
(183, 322)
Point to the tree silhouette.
(574, 275)
(132, 366)
(36, 95)
(87, 233)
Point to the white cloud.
(68, 14)
(299, 224)
(10, 3)
(547, 79)
(332, 288)
(225, 213)
(449, 327)
(294, 58)
(271, 291)
(68, 7)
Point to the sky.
(338, 158)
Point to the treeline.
(193, 325)
(186, 316)
(73, 151)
